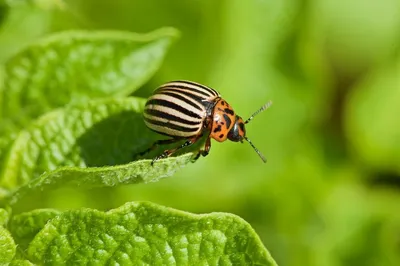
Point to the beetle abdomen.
(178, 108)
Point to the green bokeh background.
(330, 192)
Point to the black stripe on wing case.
(211, 90)
(170, 117)
(170, 126)
(184, 89)
(165, 103)
(172, 93)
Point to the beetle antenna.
(264, 107)
(258, 152)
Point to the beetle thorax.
(224, 119)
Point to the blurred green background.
(330, 192)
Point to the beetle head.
(238, 131)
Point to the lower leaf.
(25, 226)
(145, 233)
(7, 246)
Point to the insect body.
(188, 110)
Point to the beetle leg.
(157, 143)
(168, 153)
(204, 152)
(207, 147)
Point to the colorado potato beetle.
(185, 110)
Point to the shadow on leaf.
(120, 139)
(113, 141)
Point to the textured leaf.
(147, 234)
(78, 65)
(7, 246)
(21, 263)
(4, 216)
(95, 133)
(135, 172)
(26, 225)
(5, 145)
(92, 143)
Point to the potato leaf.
(149, 234)
(77, 65)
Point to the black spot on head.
(241, 125)
(223, 103)
(217, 129)
(222, 123)
(219, 109)
(221, 136)
(228, 111)
(227, 120)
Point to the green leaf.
(147, 234)
(26, 225)
(90, 144)
(7, 246)
(78, 65)
(132, 173)
(94, 133)
(13, 32)
(21, 263)
(4, 216)
(5, 145)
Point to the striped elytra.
(188, 110)
(179, 108)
